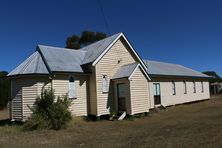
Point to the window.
(184, 87)
(72, 89)
(105, 85)
(173, 88)
(156, 89)
(194, 87)
(157, 97)
(121, 90)
(202, 87)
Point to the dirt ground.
(189, 125)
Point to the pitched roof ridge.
(29, 60)
(27, 63)
(101, 41)
(60, 48)
(38, 60)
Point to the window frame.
(72, 81)
(202, 86)
(105, 89)
(184, 87)
(194, 87)
(173, 88)
(156, 85)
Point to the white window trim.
(74, 88)
(105, 89)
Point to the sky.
(186, 32)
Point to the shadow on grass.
(8, 122)
(4, 122)
(92, 118)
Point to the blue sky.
(187, 32)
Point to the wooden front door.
(157, 96)
(121, 95)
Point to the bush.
(4, 89)
(49, 112)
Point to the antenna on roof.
(104, 17)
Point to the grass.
(189, 125)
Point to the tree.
(214, 76)
(73, 42)
(3, 74)
(4, 89)
(87, 37)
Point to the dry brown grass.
(191, 125)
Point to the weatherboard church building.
(104, 77)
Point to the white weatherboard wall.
(25, 90)
(24, 93)
(109, 65)
(61, 87)
(168, 99)
(16, 100)
(139, 92)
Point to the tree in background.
(215, 82)
(214, 76)
(87, 37)
(4, 89)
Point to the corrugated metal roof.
(68, 60)
(168, 69)
(125, 71)
(62, 59)
(93, 51)
(32, 65)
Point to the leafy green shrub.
(49, 112)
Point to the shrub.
(49, 112)
(4, 89)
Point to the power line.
(104, 17)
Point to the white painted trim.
(158, 105)
(141, 61)
(75, 88)
(145, 72)
(122, 116)
(135, 71)
(104, 52)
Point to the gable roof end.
(94, 50)
(113, 41)
(144, 71)
(127, 71)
